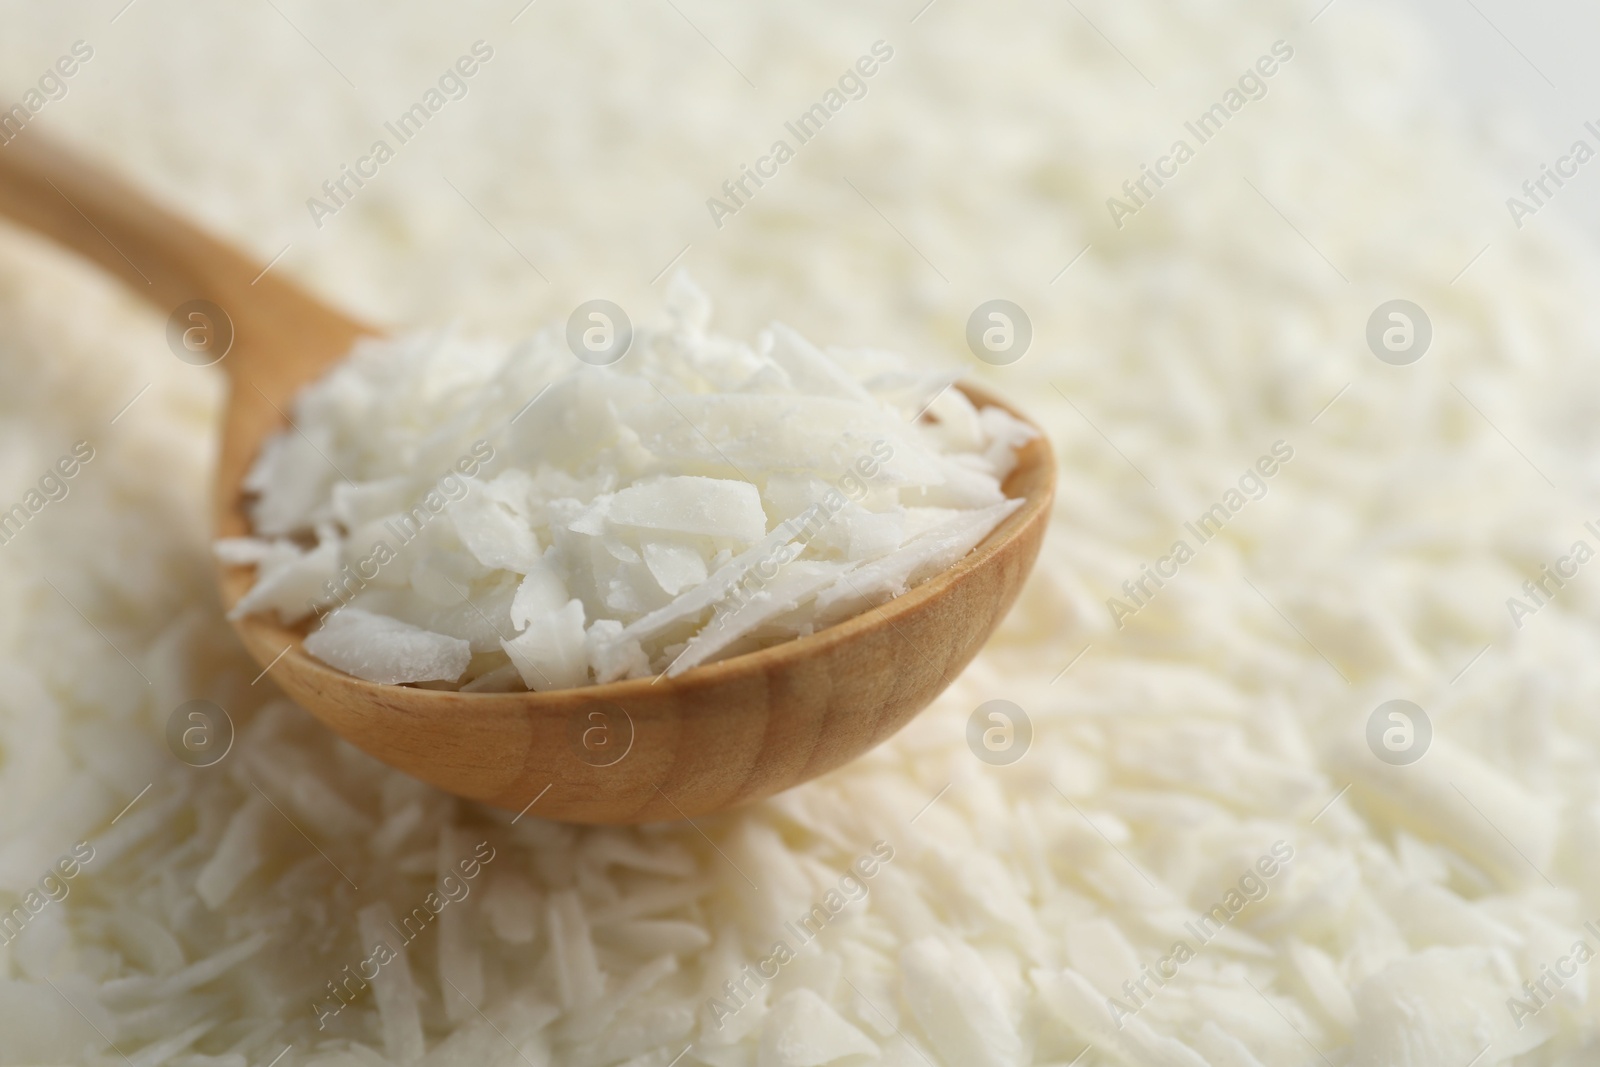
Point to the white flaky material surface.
(510, 516)
(922, 905)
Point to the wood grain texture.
(719, 735)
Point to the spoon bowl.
(716, 736)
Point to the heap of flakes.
(490, 517)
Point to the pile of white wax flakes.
(490, 517)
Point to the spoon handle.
(156, 252)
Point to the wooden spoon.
(718, 735)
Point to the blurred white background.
(1526, 76)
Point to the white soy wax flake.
(713, 507)
(388, 651)
(497, 517)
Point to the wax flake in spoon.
(697, 498)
